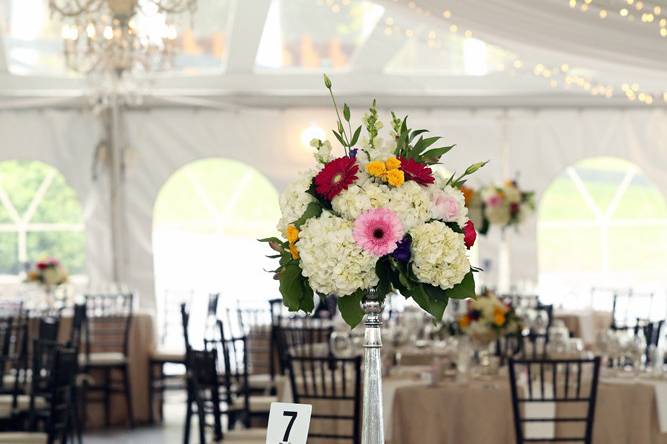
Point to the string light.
(558, 75)
(645, 12)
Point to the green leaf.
(465, 289)
(339, 137)
(307, 303)
(346, 112)
(355, 137)
(434, 155)
(438, 301)
(421, 298)
(350, 308)
(314, 209)
(384, 274)
(421, 146)
(415, 133)
(291, 287)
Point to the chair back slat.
(107, 322)
(338, 402)
(574, 382)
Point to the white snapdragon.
(294, 200)
(322, 150)
(331, 259)
(439, 255)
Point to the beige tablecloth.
(585, 324)
(481, 413)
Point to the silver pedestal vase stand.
(372, 421)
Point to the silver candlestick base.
(373, 421)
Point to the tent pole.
(117, 190)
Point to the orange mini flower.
(499, 317)
(464, 321)
(292, 234)
(468, 194)
(294, 251)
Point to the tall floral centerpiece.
(369, 221)
(487, 318)
(502, 206)
(49, 274)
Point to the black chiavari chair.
(302, 341)
(203, 386)
(332, 385)
(256, 325)
(56, 384)
(571, 384)
(106, 350)
(167, 363)
(625, 306)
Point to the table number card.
(288, 423)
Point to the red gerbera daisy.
(416, 171)
(336, 176)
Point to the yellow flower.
(509, 183)
(292, 234)
(464, 321)
(293, 251)
(395, 177)
(376, 168)
(392, 163)
(499, 319)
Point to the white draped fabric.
(541, 144)
(550, 28)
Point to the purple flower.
(402, 252)
(353, 153)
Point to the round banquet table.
(480, 412)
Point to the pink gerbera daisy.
(378, 231)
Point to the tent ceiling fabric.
(552, 26)
(548, 32)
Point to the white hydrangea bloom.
(377, 193)
(331, 259)
(294, 199)
(411, 202)
(364, 195)
(448, 204)
(439, 255)
(351, 203)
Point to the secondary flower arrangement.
(375, 217)
(487, 318)
(48, 273)
(502, 206)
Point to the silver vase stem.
(373, 423)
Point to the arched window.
(602, 223)
(40, 216)
(207, 219)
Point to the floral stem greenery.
(370, 124)
(345, 140)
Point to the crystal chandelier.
(115, 37)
